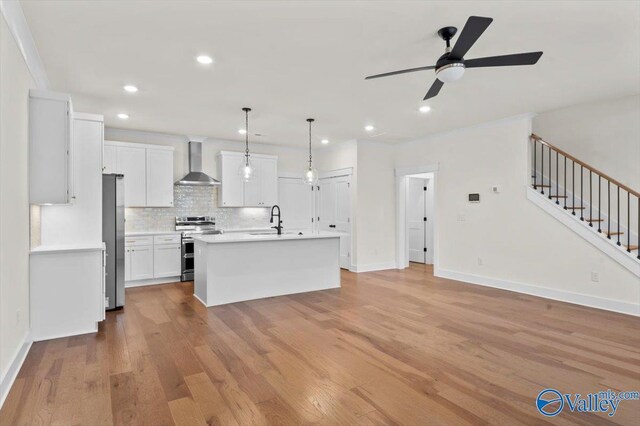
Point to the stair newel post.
(599, 209)
(590, 199)
(608, 209)
(629, 222)
(550, 173)
(581, 196)
(541, 168)
(557, 179)
(573, 187)
(565, 182)
(535, 166)
(618, 201)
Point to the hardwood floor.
(391, 347)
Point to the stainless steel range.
(190, 226)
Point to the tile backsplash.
(194, 201)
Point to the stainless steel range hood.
(195, 175)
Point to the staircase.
(603, 205)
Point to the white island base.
(233, 268)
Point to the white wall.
(290, 159)
(604, 134)
(517, 242)
(15, 82)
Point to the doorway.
(420, 218)
(416, 218)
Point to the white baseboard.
(93, 328)
(151, 281)
(370, 267)
(12, 372)
(544, 292)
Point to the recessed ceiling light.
(324, 141)
(130, 88)
(204, 59)
(123, 116)
(369, 128)
(242, 131)
(424, 109)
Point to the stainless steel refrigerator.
(113, 237)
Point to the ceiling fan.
(452, 64)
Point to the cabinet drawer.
(138, 241)
(167, 239)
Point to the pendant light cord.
(310, 120)
(246, 135)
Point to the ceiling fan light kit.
(451, 65)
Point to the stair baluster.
(590, 199)
(557, 179)
(618, 201)
(581, 196)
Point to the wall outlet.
(595, 277)
(480, 261)
(495, 189)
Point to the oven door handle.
(187, 241)
(188, 256)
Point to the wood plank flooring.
(390, 347)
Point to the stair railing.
(539, 146)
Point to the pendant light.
(310, 174)
(246, 171)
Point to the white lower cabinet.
(152, 256)
(166, 260)
(141, 262)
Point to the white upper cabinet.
(147, 170)
(232, 188)
(159, 178)
(262, 191)
(131, 162)
(50, 148)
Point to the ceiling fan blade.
(431, 67)
(471, 32)
(504, 60)
(434, 89)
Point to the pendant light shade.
(310, 175)
(246, 171)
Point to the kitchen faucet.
(279, 226)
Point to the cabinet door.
(131, 163)
(296, 200)
(232, 188)
(141, 262)
(109, 160)
(159, 178)
(127, 264)
(166, 260)
(268, 179)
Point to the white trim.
(9, 376)
(138, 145)
(290, 175)
(544, 292)
(590, 234)
(151, 281)
(88, 116)
(78, 332)
(13, 15)
(347, 171)
(242, 154)
(370, 267)
(416, 170)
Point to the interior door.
(326, 204)
(416, 213)
(342, 219)
(296, 202)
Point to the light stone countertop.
(248, 237)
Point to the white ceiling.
(292, 60)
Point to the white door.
(109, 159)
(127, 264)
(166, 260)
(141, 262)
(334, 207)
(132, 164)
(159, 178)
(416, 214)
(232, 188)
(296, 202)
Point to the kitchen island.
(236, 267)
